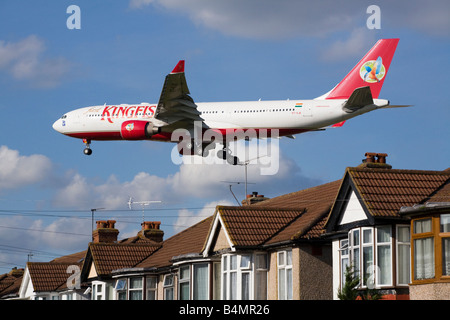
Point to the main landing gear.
(87, 151)
(226, 154)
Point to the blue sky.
(234, 50)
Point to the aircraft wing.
(175, 104)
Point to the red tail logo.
(371, 70)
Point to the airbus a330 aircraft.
(356, 94)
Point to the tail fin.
(370, 71)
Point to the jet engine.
(138, 130)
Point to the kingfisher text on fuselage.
(127, 111)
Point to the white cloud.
(67, 233)
(24, 60)
(18, 171)
(285, 18)
(196, 181)
(187, 218)
(358, 42)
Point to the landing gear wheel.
(232, 160)
(87, 151)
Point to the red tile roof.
(10, 282)
(316, 201)
(48, 276)
(255, 225)
(190, 240)
(385, 191)
(107, 257)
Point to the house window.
(445, 234)
(168, 287)
(184, 283)
(384, 256)
(121, 289)
(403, 255)
(151, 286)
(423, 243)
(200, 283)
(244, 276)
(431, 248)
(261, 268)
(370, 253)
(230, 277)
(285, 275)
(355, 250)
(135, 290)
(217, 269)
(344, 257)
(98, 290)
(367, 257)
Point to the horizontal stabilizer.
(360, 98)
(398, 106)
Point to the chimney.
(105, 232)
(16, 273)
(253, 198)
(151, 231)
(375, 160)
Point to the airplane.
(356, 94)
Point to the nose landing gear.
(87, 151)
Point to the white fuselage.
(288, 116)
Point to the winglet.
(179, 68)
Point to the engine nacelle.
(138, 130)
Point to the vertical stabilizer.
(370, 71)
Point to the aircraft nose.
(57, 126)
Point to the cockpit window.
(64, 116)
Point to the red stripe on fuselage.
(166, 136)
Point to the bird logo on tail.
(372, 71)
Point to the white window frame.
(96, 293)
(184, 279)
(238, 267)
(121, 288)
(132, 289)
(371, 276)
(151, 288)
(377, 250)
(194, 284)
(168, 287)
(344, 260)
(284, 266)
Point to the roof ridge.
(385, 170)
(295, 193)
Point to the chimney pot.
(105, 232)
(151, 230)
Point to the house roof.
(384, 191)
(255, 225)
(107, 257)
(188, 241)
(291, 217)
(10, 282)
(317, 202)
(48, 276)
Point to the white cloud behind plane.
(176, 112)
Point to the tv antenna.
(245, 164)
(142, 203)
(236, 182)
(92, 220)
